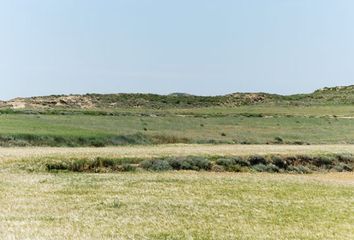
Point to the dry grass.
(183, 205)
(168, 150)
(173, 205)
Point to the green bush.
(278, 140)
(342, 167)
(226, 162)
(190, 163)
(103, 163)
(156, 165)
(324, 161)
(266, 168)
(345, 157)
(229, 164)
(272, 168)
(56, 166)
(257, 159)
(279, 162)
(128, 168)
(260, 167)
(241, 161)
(299, 169)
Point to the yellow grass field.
(173, 205)
(7, 154)
(176, 205)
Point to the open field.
(176, 205)
(28, 153)
(172, 205)
(243, 125)
(170, 167)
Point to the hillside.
(334, 95)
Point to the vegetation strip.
(254, 163)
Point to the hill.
(325, 96)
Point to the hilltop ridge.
(327, 95)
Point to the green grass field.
(244, 125)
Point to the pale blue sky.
(162, 46)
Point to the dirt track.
(169, 150)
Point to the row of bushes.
(255, 163)
(23, 140)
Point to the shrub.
(241, 161)
(300, 143)
(79, 165)
(156, 165)
(235, 168)
(128, 168)
(98, 143)
(279, 162)
(200, 163)
(342, 167)
(299, 169)
(260, 167)
(345, 157)
(190, 163)
(266, 168)
(324, 161)
(56, 166)
(278, 140)
(304, 170)
(272, 168)
(103, 163)
(217, 168)
(226, 162)
(256, 159)
(229, 164)
(176, 163)
(300, 160)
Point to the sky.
(205, 47)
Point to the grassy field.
(32, 153)
(243, 125)
(175, 205)
(121, 173)
(38, 204)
